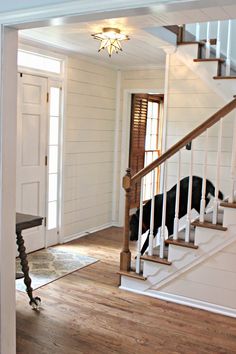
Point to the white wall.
(89, 146)
(190, 102)
(132, 81)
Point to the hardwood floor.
(85, 312)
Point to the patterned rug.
(51, 264)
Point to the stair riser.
(188, 51)
(229, 216)
(180, 256)
(150, 268)
(208, 239)
(131, 283)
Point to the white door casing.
(31, 152)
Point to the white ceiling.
(143, 49)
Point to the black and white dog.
(170, 207)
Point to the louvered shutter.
(137, 140)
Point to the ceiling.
(144, 48)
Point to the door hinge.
(47, 96)
(45, 221)
(46, 160)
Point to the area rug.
(50, 264)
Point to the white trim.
(76, 11)
(126, 138)
(62, 152)
(8, 113)
(181, 300)
(88, 232)
(116, 148)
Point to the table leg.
(34, 302)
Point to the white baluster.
(151, 235)
(190, 186)
(233, 165)
(208, 44)
(176, 219)
(140, 228)
(228, 55)
(217, 183)
(231, 197)
(163, 223)
(218, 44)
(203, 198)
(197, 32)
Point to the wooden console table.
(23, 222)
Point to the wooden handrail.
(187, 139)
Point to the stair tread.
(181, 243)
(191, 42)
(209, 225)
(219, 60)
(224, 77)
(131, 274)
(228, 205)
(155, 259)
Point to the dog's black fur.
(170, 207)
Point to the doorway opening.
(39, 144)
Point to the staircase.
(184, 265)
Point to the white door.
(31, 152)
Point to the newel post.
(125, 255)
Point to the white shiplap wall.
(190, 102)
(89, 147)
(132, 81)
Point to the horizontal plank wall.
(190, 102)
(89, 147)
(133, 81)
(213, 281)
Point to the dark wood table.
(23, 222)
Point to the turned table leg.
(34, 302)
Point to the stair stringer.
(206, 71)
(183, 259)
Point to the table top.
(26, 221)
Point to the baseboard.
(117, 224)
(87, 232)
(181, 300)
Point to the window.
(39, 62)
(53, 161)
(145, 142)
(152, 145)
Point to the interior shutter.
(139, 110)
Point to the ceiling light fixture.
(110, 39)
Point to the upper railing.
(219, 41)
(128, 182)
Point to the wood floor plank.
(86, 312)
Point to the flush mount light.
(110, 39)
